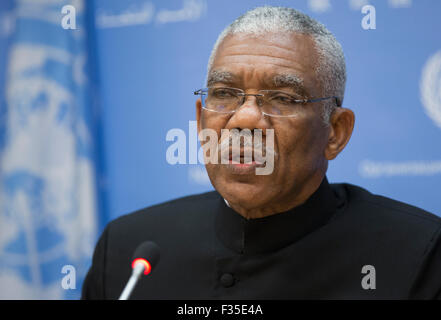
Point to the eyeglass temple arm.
(337, 100)
(199, 92)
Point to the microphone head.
(148, 254)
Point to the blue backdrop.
(149, 65)
(144, 59)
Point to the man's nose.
(248, 116)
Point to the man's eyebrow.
(290, 81)
(217, 76)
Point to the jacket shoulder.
(169, 213)
(384, 204)
(393, 217)
(400, 239)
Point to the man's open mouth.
(246, 157)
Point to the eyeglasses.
(273, 103)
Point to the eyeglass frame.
(242, 93)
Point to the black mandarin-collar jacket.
(314, 251)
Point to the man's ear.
(198, 114)
(341, 127)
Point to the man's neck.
(287, 203)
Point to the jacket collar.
(274, 232)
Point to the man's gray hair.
(331, 69)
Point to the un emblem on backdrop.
(47, 203)
(430, 87)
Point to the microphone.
(145, 258)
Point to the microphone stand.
(136, 274)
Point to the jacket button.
(227, 280)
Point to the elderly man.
(286, 234)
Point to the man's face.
(252, 64)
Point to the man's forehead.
(284, 39)
(278, 79)
(282, 45)
(293, 54)
(270, 79)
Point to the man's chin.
(241, 185)
(245, 195)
